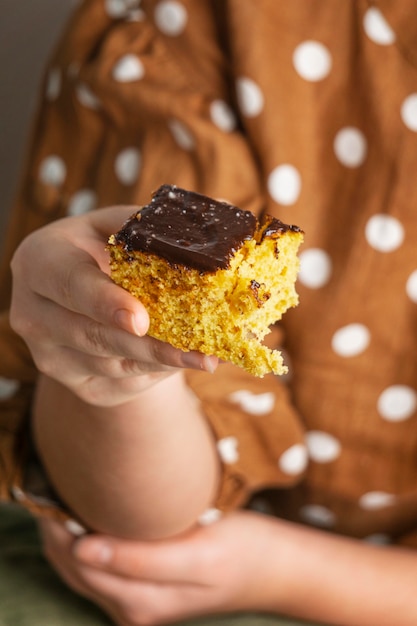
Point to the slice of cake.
(212, 277)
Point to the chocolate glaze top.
(190, 229)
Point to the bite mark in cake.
(211, 276)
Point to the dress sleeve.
(134, 98)
(259, 437)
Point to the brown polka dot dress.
(306, 110)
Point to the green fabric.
(32, 595)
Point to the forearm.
(145, 469)
(339, 581)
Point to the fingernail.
(130, 322)
(197, 361)
(93, 552)
(210, 364)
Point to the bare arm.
(342, 581)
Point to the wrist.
(290, 557)
(282, 582)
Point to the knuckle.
(81, 291)
(45, 364)
(21, 254)
(67, 284)
(119, 368)
(158, 351)
(131, 367)
(21, 264)
(107, 367)
(19, 322)
(15, 261)
(25, 325)
(165, 356)
(96, 338)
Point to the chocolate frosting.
(190, 229)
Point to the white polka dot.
(384, 233)
(41, 500)
(411, 286)
(377, 28)
(52, 171)
(115, 8)
(397, 403)
(254, 403)
(86, 97)
(378, 539)
(351, 340)
(250, 97)
(8, 388)
(127, 165)
(228, 450)
(210, 516)
(18, 494)
(312, 60)
(322, 447)
(136, 15)
(222, 116)
(315, 268)
(128, 69)
(409, 112)
(284, 184)
(350, 146)
(317, 515)
(119, 8)
(375, 500)
(82, 202)
(294, 460)
(182, 135)
(171, 17)
(53, 85)
(75, 528)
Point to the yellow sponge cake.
(212, 277)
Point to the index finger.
(71, 277)
(168, 561)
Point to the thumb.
(174, 560)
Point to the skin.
(102, 389)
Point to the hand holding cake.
(83, 330)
